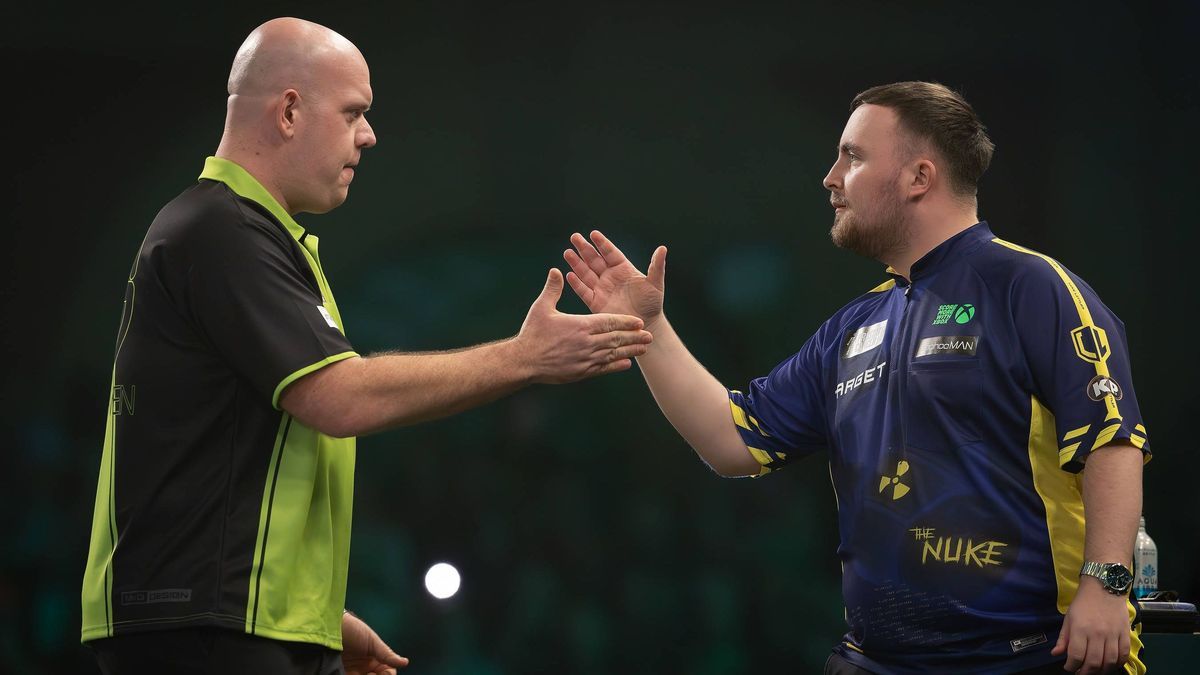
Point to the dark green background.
(590, 538)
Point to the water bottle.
(1145, 563)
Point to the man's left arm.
(1095, 632)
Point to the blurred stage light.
(442, 581)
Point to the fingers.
(620, 345)
(657, 272)
(1112, 649)
(608, 250)
(1123, 648)
(607, 323)
(1094, 660)
(380, 649)
(581, 289)
(552, 291)
(391, 658)
(610, 354)
(1060, 647)
(614, 367)
(621, 338)
(581, 268)
(628, 352)
(1076, 655)
(588, 253)
(1074, 645)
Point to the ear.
(287, 113)
(924, 174)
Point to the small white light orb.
(442, 581)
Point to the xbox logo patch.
(960, 314)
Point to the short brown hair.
(936, 113)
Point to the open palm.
(606, 281)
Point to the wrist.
(514, 351)
(654, 323)
(1112, 578)
(1092, 589)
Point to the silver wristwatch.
(1115, 577)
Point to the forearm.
(363, 395)
(1095, 632)
(695, 403)
(1112, 503)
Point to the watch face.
(1117, 577)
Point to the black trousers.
(836, 665)
(211, 651)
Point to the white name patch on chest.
(864, 339)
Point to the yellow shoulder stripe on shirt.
(1100, 360)
(890, 283)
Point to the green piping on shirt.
(244, 185)
(304, 371)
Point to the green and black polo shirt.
(213, 507)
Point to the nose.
(833, 179)
(366, 135)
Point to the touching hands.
(1095, 632)
(558, 348)
(606, 281)
(364, 653)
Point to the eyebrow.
(850, 149)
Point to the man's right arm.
(694, 401)
(362, 395)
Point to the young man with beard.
(977, 407)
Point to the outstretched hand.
(364, 652)
(606, 281)
(556, 347)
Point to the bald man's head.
(298, 94)
(284, 53)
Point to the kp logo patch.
(1102, 386)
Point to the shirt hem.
(237, 623)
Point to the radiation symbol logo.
(898, 489)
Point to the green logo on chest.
(958, 313)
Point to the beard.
(877, 233)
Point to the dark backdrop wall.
(589, 536)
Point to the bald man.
(221, 535)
